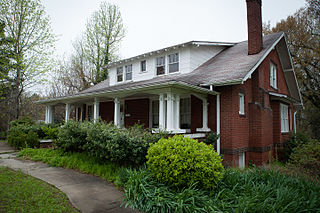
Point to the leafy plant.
(307, 157)
(182, 161)
(19, 137)
(212, 138)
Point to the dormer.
(174, 60)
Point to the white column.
(95, 110)
(81, 113)
(77, 111)
(50, 115)
(117, 112)
(67, 112)
(161, 112)
(170, 108)
(177, 112)
(47, 115)
(218, 122)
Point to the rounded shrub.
(182, 161)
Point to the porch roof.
(151, 86)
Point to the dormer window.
(161, 61)
(119, 74)
(173, 62)
(143, 66)
(128, 72)
(273, 75)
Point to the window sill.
(143, 72)
(243, 115)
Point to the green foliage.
(256, 190)
(212, 138)
(20, 137)
(106, 141)
(72, 136)
(307, 157)
(295, 140)
(50, 132)
(23, 120)
(23, 193)
(79, 161)
(182, 161)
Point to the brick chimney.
(254, 26)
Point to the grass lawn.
(22, 193)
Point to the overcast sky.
(152, 25)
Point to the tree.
(303, 35)
(32, 43)
(104, 32)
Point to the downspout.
(217, 119)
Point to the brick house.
(247, 92)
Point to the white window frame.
(241, 104)
(118, 74)
(284, 117)
(128, 70)
(175, 61)
(161, 65)
(273, 75)
(145, 62)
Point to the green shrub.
(307, 157)
(23, 120)
(106, 141)
(19, 139)
(181, 161)
(295, 140)
(212, 138)
(50, 132)
(72, 136)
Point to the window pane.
(143, 66)
(173, 67)
(129, 76)
(155, 114)
(160, 70)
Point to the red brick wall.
(106, 111)
(196, 113)
(136, 111)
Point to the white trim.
(262, 58)
(67, 115)
(218, 122)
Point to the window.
(284, 118)
(241, 103)
(128, 72)
(185, 113)
(273, 75)
(161, 65)
(155, 114)
(119, 74)
(143, 66)
(173, 62)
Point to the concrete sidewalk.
(86, 192)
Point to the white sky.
(152, 25)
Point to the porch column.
(67, 112)
(218, 122)
(77, 111)
(170, 111)
(117, 112)
(177, 112)
(205, 127)
(81, 113)
(161, 112)
(96, 110)
(48, 119)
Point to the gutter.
(94, 94)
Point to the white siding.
(201, 54)
(189, 58)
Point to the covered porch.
(175, 107)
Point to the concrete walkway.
(86, 192)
